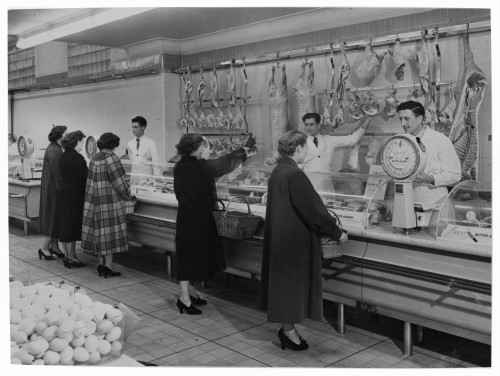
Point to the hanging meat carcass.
(278, 104)
(370, 105)
(202, 87)
(239, 121)
(353, 110)
(390, 105)
(420, 63)
(187, 120)
(366, 67)
(464, 131)
(445, 115)
(328, 113)
(345, 74)
(395, 63)
(304, 91)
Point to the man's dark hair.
(189, 143)
(413, 106)
(70, 140)
(312, 115)
(288, 143)
(140, 120)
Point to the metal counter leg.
(25, 226)
(408, 345)
(340, 318)
(169, 264)
(419, 334)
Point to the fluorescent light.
(85, 23)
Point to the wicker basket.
(234, 224)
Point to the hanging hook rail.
(308, 52)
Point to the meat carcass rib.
(345, 74)
(395, 63)
(464, 131)
(278, 104)
(202, 87)
(420, 63)
(231, 85)
(239, 121)
(390, 105)
(304, 91)
(328, 117)
(445, 115)
(366, 67)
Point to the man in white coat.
(442, 166)
(321, 148)
(141, 150)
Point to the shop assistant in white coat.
(141, 150)
(442, 166)
(321, 148)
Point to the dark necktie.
(315, 140)
(138, 143)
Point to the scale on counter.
(90, 147)
(403, 157)
(26, 148)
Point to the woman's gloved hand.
(250, 144)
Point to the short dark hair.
(312, 115)
(140, 120)
(70, 140)
(413, 106)
(108, 140)
(57, 132)
(289, 141)
(189, 143)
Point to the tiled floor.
(227, 334)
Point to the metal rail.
(324, 50)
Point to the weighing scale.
(26, 148)
(90, 147)
(403, 158)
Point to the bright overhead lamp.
(72, 27)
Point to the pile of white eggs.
(59, 324)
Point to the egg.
(104, 326)
(51, 358)
(58, 344)
(38, 347)
(16, 361)
(67, 356)
(49, 333)
(81, 355)
(116, 348)
(104, 347)
(94, 357)
(27, 326)
(114, 334)
(15, 316)
(38, 362)
(40, 327)
(20, 337)
(91, 343)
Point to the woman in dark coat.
(296, 218)
(74, 176)
(50, 187)
(198, 251)
(104, 223)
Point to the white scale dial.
(401, 157)
(90, 146)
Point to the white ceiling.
(186, 30)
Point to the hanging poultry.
(239, 121)
(390, 105)
(366, 67)
(464, 131)
(304, 91)
(278, 106)
(395, 63)
(345, 74)
(370, 105)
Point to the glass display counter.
(465, 215)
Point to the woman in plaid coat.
(104, 229)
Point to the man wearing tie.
(321, 148)
(141, 150)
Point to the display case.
(465, 215)
(156, 186)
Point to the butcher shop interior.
(184, 180)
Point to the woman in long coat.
(104, 229)
(296, 218)
(74, 177)
(198, 252)
(49, 193)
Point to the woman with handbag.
(296, 218)
(107, 193)
(198, 252)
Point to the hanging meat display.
(395, 63)
(445, 115)
(345, 74)
(390, 105)
(464, 131)
(278, 104)
(366, 67)
(202, 87)
(420, 63)
(304, 91)
(370, 105)
(328, 112)
(239, 120)
(187, 119)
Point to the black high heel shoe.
(42, 255)
(56, 252)
(198, 301)
(288, 343)
(191, 310)
(106, 272)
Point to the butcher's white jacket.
(143, 158)
(442, 164)
(319, 159)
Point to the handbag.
(332, 248)
(235, 224)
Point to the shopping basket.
(235, 224)
(332, 248)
